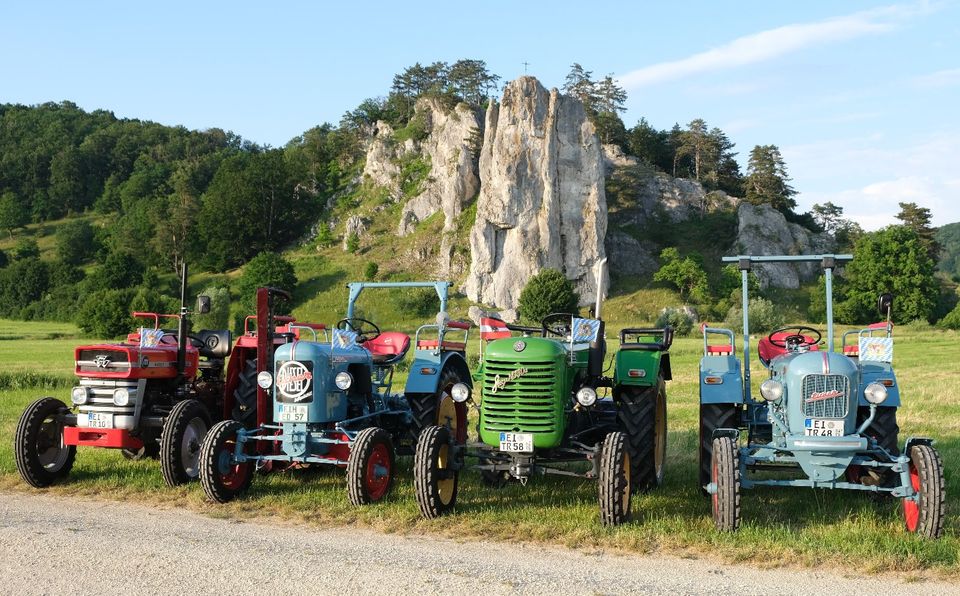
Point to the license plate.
(290, 413)
(95, 420)
(516, 442)
(823, 427)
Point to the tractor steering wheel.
(794, 340)
(361, 327)
(558, 323)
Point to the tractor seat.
(720, 350)
(852, 350)
(767, 351)
(428, 344)
(215, 343)
(388, 347)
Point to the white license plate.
(823, 427)
(516, 442)
(289, 413)
(95, 420)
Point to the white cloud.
(773, 43)
(940, 78)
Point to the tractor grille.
(92, 361)
(101, 400)
(519, 396)
(826, 396)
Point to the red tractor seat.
(456, 346)
(720, 350)
(767, 351)
(388, 347)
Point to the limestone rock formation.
(542, 201)
(355, 225)
(762, 230)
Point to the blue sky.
(860, 96)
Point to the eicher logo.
(501, 382)
(293, 380)
(822, 395)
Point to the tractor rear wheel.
(370, 466)
(434, 477)
(642, 416)
(222, 478)
(439, 409)
(38, 447)
(725, 474)
(245, 395)
(924, 516)
(180, 440)
(712, 417)
(614, 479)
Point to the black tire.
(725, 472)
(245, 395)
(371, 449)
(38, 448)
(434, 482)
(221, 479)
(613, 484)
(925, 515)
(426, 407)
(642, 416)
(712, 417)
(183, 432)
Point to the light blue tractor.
(826, 419)
(333, 404)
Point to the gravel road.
(58, 546)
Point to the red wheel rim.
(911, 510)
(378, 472)
(232, 475)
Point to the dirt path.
(53, 545)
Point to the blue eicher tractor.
(332, 404)
(827, 418)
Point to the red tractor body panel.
(112, 438)
(129, 361)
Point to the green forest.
(99, 212)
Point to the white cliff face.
(453, 180)
(542, 202)
(762, 230)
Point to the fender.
(720, 381)
(425, 371)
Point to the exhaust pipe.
(598, 271)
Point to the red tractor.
(155, 394)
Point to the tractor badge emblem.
(102, 361)
(519, 346)
(822, 395)
(293, 380)
(501, 382)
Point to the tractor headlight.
(79, 395)
(121, 397)
(771, 390)
(265, 379)
(343, 380)
(875, 393)
(587, 396)
(460, 393)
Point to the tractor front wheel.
(725, 475)
(38, 447)
(435, 477)
(370, 466)
(221, 477)
(712, 417)
(180, 440)
(642, 416)
(439, 409)
(614, 480)
(923, 514)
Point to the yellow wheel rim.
(447, 413)
(660, 435)
(626, 475)
(445, 486)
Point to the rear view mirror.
(203, 304)
(885, 303)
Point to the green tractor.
(539, 410)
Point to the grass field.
(802, 527)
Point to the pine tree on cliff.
(767, 182)
(917, 218)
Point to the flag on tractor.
(150, 338)
(491, 328)
(584, 330)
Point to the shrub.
(353, 243)
(678, 318)
(75, 242)
(686, 274)
(764, 317)
(219, 315)
(106, 313)
(324, 235)
(370, 271)
(26, 248)
(547, 292)
(119, 270)
(266, 269)
(421, 302)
